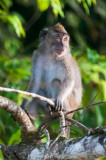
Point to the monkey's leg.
(31, 109)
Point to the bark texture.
(86, 148)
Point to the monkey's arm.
(35, 81)
(68, 83)
(36, 73)
(64, 91)
(72, 82)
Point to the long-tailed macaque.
(55, 74)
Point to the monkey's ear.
(43, 33)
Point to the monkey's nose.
(59, 51)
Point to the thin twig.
(56, 139)
(32, 20)
(80, 125)
(45, 131)
(46, 123)
(52, 143)
(47, 143)
(61, 127)
(93, 104)
(89, 104)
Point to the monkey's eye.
(58, 38)
(65, 38)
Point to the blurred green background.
(20, 24)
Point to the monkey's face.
(55, 40)
(59, 44)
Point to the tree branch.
(28, 94)
(80, 125)
(89, 105)
(26, 126)
(49, 101)
(86, 148)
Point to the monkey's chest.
(53, 75)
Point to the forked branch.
(26, 126)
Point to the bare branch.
(28, 94)
(53, 143)
(47, 122)
(89, 105)
(80, 125)
(47, 143)
(49, 101)
(26, 126)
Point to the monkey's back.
(76, 95)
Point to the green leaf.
(43, 5)
(1, 155)
(6, 4)
(14, 20)
(86, 7)
(15, 138)
(100, 117)
(89, 2)
(12, 45)
(79, 1)
(93, 56)
(94, 2)
(57, 8)
(3, 14)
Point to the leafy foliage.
(11, 18)
(87, 4)
(56, 5)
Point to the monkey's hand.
(51, 109)
(58, 104)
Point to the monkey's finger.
(61, 106)
(56, 105)
(60, 109)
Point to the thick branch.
(86, 148)
(89, 147)
(26, 126)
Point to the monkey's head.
(56, 40)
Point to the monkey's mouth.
(59, 51)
